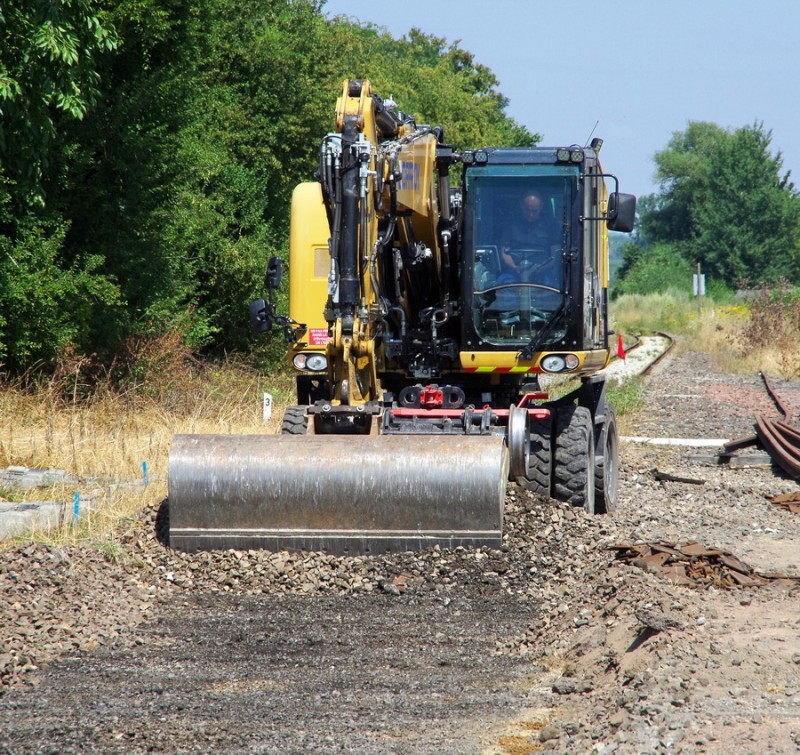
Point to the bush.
(672, 311)
(656, 269)
(773, 329)
(48, 307)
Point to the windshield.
(520, 229)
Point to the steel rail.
(778, 438)
(787, 414)
(638, 344)
(782, 444)
(663, 354)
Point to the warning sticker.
(318, 336)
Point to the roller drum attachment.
(335, 493)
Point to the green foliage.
(616, 244)
(149, 150)
(670, 311)
(724, 202)
(719, 292)
(627, 396)
(181, 178)
(46, 308)
(251, 134)
(660, 267)
(48, 52)
(436, 81)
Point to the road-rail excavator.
(419, 327)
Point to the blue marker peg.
(144, 473)
(76, 507)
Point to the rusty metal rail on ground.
(779, 438)
(788, 501)
(694, 564)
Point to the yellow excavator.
(420, 320)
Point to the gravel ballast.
(550, 644)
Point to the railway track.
(778, 437)
(641, 356)
(439, 652)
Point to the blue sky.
(643, 69)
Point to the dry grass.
(104, 437)
(670, 312)
(743, 338)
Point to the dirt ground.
(559, 642)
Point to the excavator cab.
(517, 235)
(534, 251)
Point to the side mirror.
(274, 273)
(260, 319)
(621, 212)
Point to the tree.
(726, 203)
(50, 53)
(211, 112)
(47, 309)
(150, 147)
(659, 268)
(48, 71)
(437, 81)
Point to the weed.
(626, 396)
(102, 432)
(762, 334)
(10, 495)
(113, 551)
(670, 311)
(772, 330)
(100, 426)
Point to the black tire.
(573, 457)
(294, 421)
(606, 470)
(538, 477)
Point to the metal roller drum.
(340, 494)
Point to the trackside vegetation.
(148, 150)
(725, 205)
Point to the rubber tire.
(573, 457)
(294, 421)
(540, 463)
(606, 470)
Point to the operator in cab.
(531, 244)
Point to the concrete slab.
(691, 442)
(27, 477)
(19, 518)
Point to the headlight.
(569, 155)
(311, 362)
(553, 363)
(559, 362)
(316, 363)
